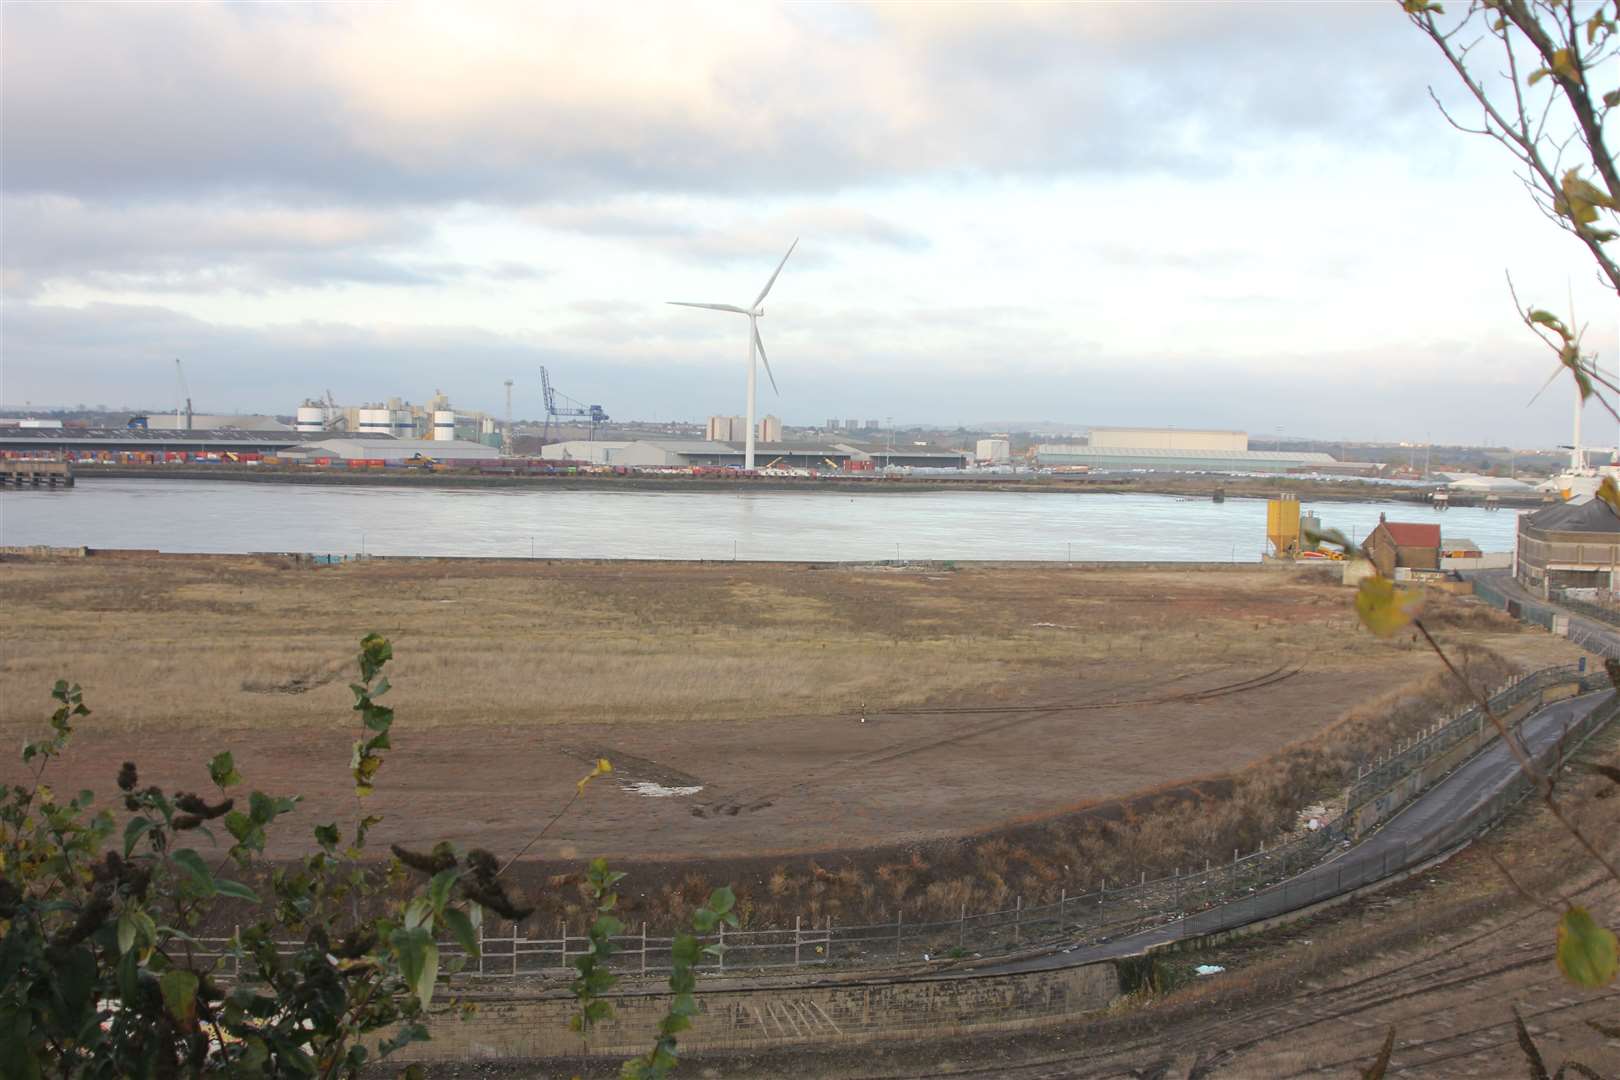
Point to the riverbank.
(1188, 486)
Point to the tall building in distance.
(726, 429)
(770, 429)
(852, 425)
(832, 424)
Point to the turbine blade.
(760, 299)
(711, 307)
(760, 345)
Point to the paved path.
(1430, 825)
(1590, 634)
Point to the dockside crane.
(569, 407)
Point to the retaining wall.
(750, 1018)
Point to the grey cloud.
(318, 102)
(172, 247)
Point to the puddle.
(650, 790)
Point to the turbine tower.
(755, 345)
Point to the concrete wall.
(1489, 560)
(742, 1018)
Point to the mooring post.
(644, 947)
(796, 940)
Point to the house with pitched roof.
(1401, 543)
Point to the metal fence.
(1408, 757)
(1601, 612)
(1188, 903)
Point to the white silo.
(444, 425)
(374, 419)
(310, 418)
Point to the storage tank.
(310, 418)
(376, 419)
(444, 425)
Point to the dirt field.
(992, 696)
(1444, 959)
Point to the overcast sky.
(1147, 213)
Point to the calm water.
(222, 516)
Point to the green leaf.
(196, 870)
(133, 831)
(127, 930)
(439, 888)
(236, 889)
(419, 912)
(327, 835)
(461, 926)
(179, 988)
(722, 900)
(418, 957)
(222, 770)
(1586, 951)
(129, 978)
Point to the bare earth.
(991, 695)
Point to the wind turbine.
(754, 313)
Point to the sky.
(1192, 214)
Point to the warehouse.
(1102, 458)
(386, 449)
(1132, 438)
(688, 453)
(1568, 546)
(65, 440)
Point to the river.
(227, 517)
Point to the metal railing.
(1408, 757)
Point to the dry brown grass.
(177, 642)
(195, 645)
(1204, 819)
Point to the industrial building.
(348, 448)
(1195, 460)
(996, 451)
(1568, 546)
(213, 422)
(1136, 438)
(197, 441)
(399, 419)
(687, 453)
(735, 429)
